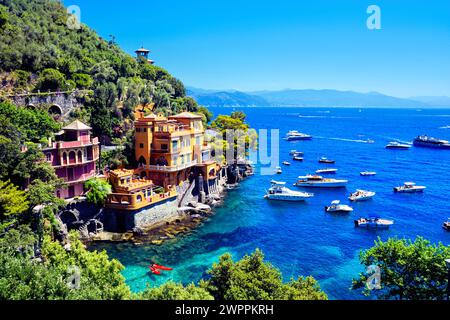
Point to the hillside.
(225, 98)
(38, 52)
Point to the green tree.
(175, 291)
(409, 270)
(98, 190)
(82, 80)
(51, 80)
(252, 278)
(13, 202)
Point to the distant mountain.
(440, 101)
(230, 98)
(330, 98)
(311, 98)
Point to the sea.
(301, 239)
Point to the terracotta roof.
(186, 115)
(77, 125)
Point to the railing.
(81, 178)
(170, 168)
(126, 201)
(75, 144)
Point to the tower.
(143, 54)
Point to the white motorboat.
(297, 158)
(316, 181)
(409, 187)
(278, 191)
(292, 152)
(295, 135)
(326, 160)
(368, 173)
(397, 145)
(373, 222)
(298, 154)
(336, 206)
(286, 163)
(326, 171)
(361, 195)
(278, 170)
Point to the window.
(174, 145)
(138, 129)
(164, 147)
(141, 145)
(145, 129)
(197, 141)
(49, 156)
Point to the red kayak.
(157, 266)
(154, 270)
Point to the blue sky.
(257, 45)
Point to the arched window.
(80, 156)
(48, 156)
(72, 157)
(142, 160)
(64, 158)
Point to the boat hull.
(408, 190)
(337, 184)
(285, 198)
(431, 145)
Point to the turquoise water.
(300, 238)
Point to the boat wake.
(397, 140)
(444, 127)
(344, 139)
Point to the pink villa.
(73, 155)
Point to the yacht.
(278, 170)
(429, 142)
(361, 195)
(297, 158)
(292, 152)
(326, 171)
(368, 173)
(446, 225)
(286, 163)
(316, 181)
(409, 187)
(326, 160)
(298, 154)
(337, 207)
(374, 222)
(278, 191)
(397, 145)
(295, 135)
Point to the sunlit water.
(300, 238)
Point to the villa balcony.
(82, 178)
(170, 168)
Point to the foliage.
(98, 190)
(175, 291)
(51, 80)
(13, 202)
(409, 270)
(253, 279)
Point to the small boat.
(325, 160)
(298, 154)
(157, 266)
(409, 187)
(337, 207)
(316, 181)
(232, 186)
(296, 158)
(430, 142)
(446, 225)
(154, 270)
(368, 173)
(326, 171)
(292, 152)
(278, 170)
(278, 191)
(370, 141)
(286, 163)
(295, 135)
(361, 195)
(397, 145)
(373, 222)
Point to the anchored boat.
(326, 160)
(337, 207)
(326, 171)
(397, 145)
(361, 195)
(297, 158)
(278, 170)
(430, 142)
(316, 181)
(368, 173)
(295, 135)
(446, 225)
(373, 222)
(286, 163)
(409, 187)
(278, 191)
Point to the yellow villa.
(169, 151)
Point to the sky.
(272, 45)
